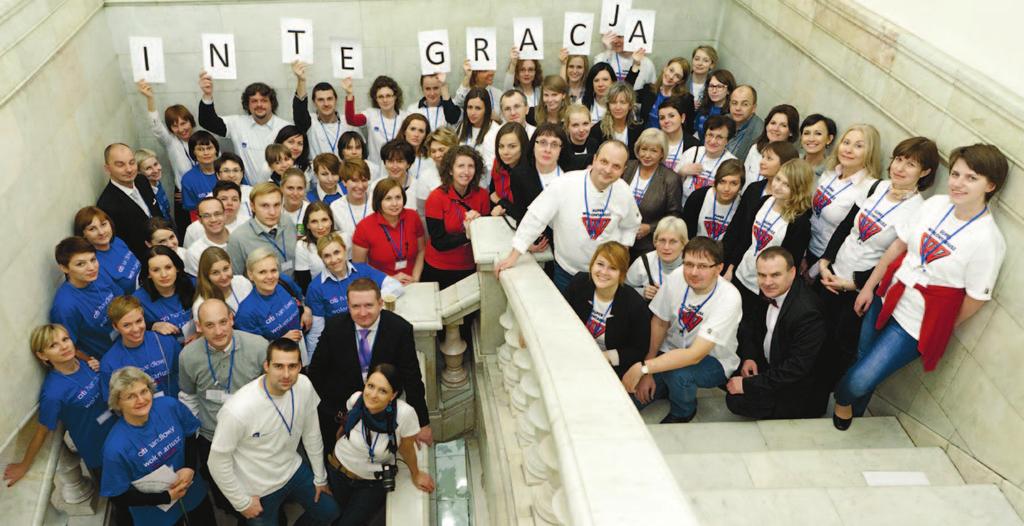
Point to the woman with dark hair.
(525, 75)
(510, 143)
(477, 79)
(859, 242)
(779, 125)
(166, 294)
(317, 222)
(715, 100)
(414, 131)
(927, 282)
(477, 129)
(117, 262)
(600, 77)
(352, 147)
(295, 140)
(816, 135)
(538, 169)
(449, 210)
(614, 313)
(382, 118)
(391, 239)
(198, 182)
(378, 422)
(398, 156)
(671, 83)
(675, 118)
(554, 99)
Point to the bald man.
(742, 109)
(128, 198)
(213, 367)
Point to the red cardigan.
(941, 308)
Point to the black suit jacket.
(129, 220)
(628, 328)
(335, 371)
(796, 341)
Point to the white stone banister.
(587, 453)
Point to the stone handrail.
(587, 454)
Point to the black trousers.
(360, 501)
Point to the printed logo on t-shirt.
(100, 313)
(689, 318)
(868, 227)
(160, 449)
(703, 180)
(820, 201)
(596, 324)
(715, 227)
(933, 248)
(762, 236)
(595, 224)
(127, 260)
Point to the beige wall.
(834, 57)
(60, 104)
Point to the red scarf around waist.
(941, 308)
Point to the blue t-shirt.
(120, 265)
(83, 312)
(77, 400)
(270, 316)
(164, 309)
(162, 201)
(196, 185)
(132, 452)
(157, 357)
(312, 196)
(702, 119)
(329, 297)
(652, 118)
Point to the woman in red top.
(449, 210)
(391, 239)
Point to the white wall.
(980, 34)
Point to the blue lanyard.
(384, 129)
(188, 155)
(728, 214)
(693, 183)
(862, 223)
(231, 368)
(659, 270)
(682, 305)
(639, 194)
(675, 156)
(758, 243)
(558, 173)
(618, 67)
(398, 249)
(437, 115)
(591, 229)
(337, 132)
(287, 425)
(353, 214)
(826, 192)
(283, 249)
(419, 164)
(604, 317)
(925, 254)
(371, 447)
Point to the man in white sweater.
(254, 458)
(584, 209)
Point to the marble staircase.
(797, 472)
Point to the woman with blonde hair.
(671, 83)
(554, 96)
(216, 280)
(648, 272)
(574, 71)
(783, 220)
(656, 189)
(619, 122)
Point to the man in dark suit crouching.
(778, 345)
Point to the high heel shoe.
(841, 424)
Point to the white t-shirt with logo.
(768, 231)
(832, 200)
(970, 260)
(706, 177)
(874, 229)
(715, 217)
(714, 317)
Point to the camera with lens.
(386, 476)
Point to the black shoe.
(841, 424)
(673, 419)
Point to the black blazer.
(129, 220)
(691, 210)
(335, 372)
(646, 97)
(628, 329)
(525, 187)
(796, 341)
(596, 137)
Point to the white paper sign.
(347, 58)
(639, 31)
(435, 55)
(296, 40)
(482, 48)
(528, 37)
(147, 59)
(219, 55)
(578, 33)
(613, 14)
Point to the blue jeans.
(299, 489)
(880, 353)
(562, 278)
(680, 385)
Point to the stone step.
(968, 505)
(777, 435)
(826, 468)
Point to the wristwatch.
(643, 367)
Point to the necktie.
(273, 232)
(364, 350)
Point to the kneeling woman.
(938, 272)
(616, 315)
(449, 210)
(274, 309)
(381, 424)
(152, 435)
(166, 294)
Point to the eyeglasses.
(716, 86)
(698, 266)
(549, 144)
(385, 96)
(132, 397)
